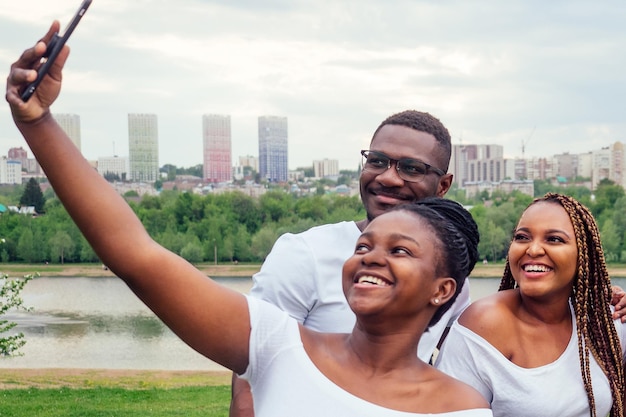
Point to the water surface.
(99, 323)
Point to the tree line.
(229, 227)
(233, 227)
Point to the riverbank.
(492, 270)
(92, 378)
(98, 270)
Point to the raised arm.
(210, 318)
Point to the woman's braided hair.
(591, 297)
(458, 233)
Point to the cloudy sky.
(547, 74)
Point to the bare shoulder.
(491, 314)
(460, 396)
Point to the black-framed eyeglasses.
(412, 170)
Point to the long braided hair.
(591, 297)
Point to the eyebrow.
(560, 231)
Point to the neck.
(362, 224)
(547, 311)
(387, 349)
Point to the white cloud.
(490, 70)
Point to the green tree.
(172, 240)
(241, 245)
(542, 187)
(26, 247)
(192, 251)
(245, 209)
(312, 208)
(276, 205)
(86, 253)
(263, 241)
(606, 195)
(610, 241)
(33, 196)
(505, 216)
(10, 299)
(60, 245)
(457, 194)
(493, 241)
(170, 170)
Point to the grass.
(100, 393)
(101, 402)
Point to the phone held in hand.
(54, 47)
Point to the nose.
(373, 257)
(535, 248)
(390, 177)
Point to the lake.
(98, 323)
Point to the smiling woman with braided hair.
(546, 343)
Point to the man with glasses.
(407, 160)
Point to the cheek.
(422, 189)
(365, 178)
(571, 260)
(515, 252)
(349, 268)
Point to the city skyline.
(244, 160)
(547, 74)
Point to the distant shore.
(492, 270)
(98, 270)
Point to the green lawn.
(111, 402)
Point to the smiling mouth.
(370, 280)
(536, 268)
(389, 193)
(383, 194)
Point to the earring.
(436, 301)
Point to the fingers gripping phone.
(52, 51)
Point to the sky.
(537, 77)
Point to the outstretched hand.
(24, 71)
(619, 301)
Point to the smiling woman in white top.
(546, 343)
(407, 268)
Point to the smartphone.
(54, 47)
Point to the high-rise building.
(10, 171)
(143, 147)
(326, 168)
(29, 165)
(249, 161)
(18, 154)
(273, 161)
(567, 165)
(70, 123)
(217, 148)
(113, 165)
(478, 163)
